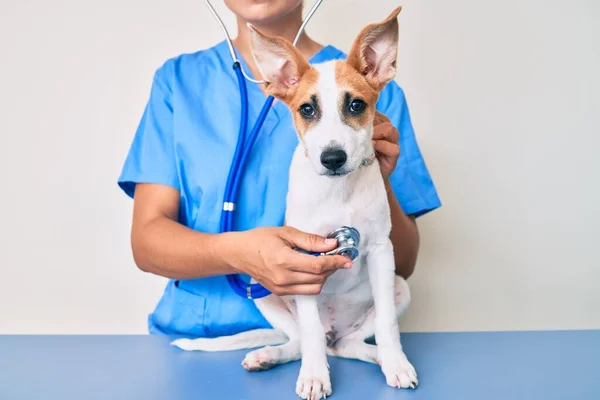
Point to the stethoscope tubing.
(251, 291)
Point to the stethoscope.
(348, 238)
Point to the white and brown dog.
(332, 184)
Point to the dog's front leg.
(398, 371)
(313, 381)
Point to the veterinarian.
(178, 164)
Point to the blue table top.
(501, 365)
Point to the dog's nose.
(333, 159)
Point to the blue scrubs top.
(186, 140)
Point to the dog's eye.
(307, 111)
(357, 106)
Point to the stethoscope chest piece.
(348, 240)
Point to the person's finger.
(305, 290)
(308, 241)
(386, 131)
(292, 278)
(333, 263)
(318, 264)
(380, 117)
(386, 148)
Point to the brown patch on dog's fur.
(306, 88)
(296, 94)
(296, 65)
(350, 80)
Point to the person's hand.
(385, 142)
(267, 255)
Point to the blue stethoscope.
(348, 238)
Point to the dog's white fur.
(356, 303)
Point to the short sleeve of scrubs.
(151, 157)
(410, 181)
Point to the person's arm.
(404, 236)
(411, 191)
(162, 246)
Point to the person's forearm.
(404, 236)
(164, 247)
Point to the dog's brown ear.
(280, 63)
(375, 51)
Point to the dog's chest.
(319, 205)
(324, 216)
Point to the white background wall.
(505, 99)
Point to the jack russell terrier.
(334, 180)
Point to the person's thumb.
(309, 241)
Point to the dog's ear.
(375, 51)
(279, 62)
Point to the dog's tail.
(243, 340)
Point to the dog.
(334, 180)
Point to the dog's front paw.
(313, 383)
(399, 372)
